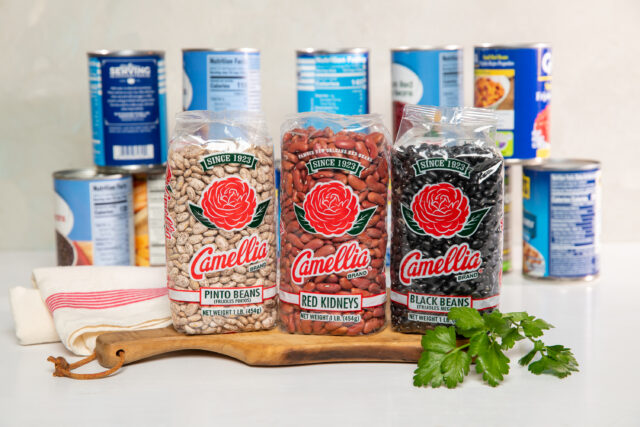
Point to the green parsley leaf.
(510, 338)
(478, 343)
(527, 358)
(428, 371)
(492, 364)
(442, 339)
(517, 316)
(468, 320)
(496, 323)
(559, 362)
(533, 327)
(455, 366)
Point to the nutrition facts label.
(573, 231)
(233, 81)
(450, 79)
(111, 222)
(155, 201)
(333, 83)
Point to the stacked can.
(333, 81)
(95, 206)
(221, 79)
(425, 76)
(516, 82)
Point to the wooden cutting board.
(272, 348)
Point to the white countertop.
(597, 320)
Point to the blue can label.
(517, 84)
(128, 108)
(219, 81)
(94, 221)
(425, 77)
(335, 83)
(561, 223)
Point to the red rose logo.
(440, 210)
(229, 203)
(331, 208)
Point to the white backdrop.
(44, 99)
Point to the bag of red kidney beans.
(447, 215)
(334, 186)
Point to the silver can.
(561, 219)
(93, 217)
(221, 79)
(148, 217)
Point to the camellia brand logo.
(458, 260)
(332, 209)
(442, 211)
(348, 257)
(124, 71)
(251, 250)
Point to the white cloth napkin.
(32, 320)
(85, 302)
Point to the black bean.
(484, 189)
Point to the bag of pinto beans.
(334, 186)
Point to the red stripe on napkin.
(103, 299)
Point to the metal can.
(93, 217)
(516, 82)
(561, 219)
(128, 108)
(425, 76)
(506, 223)
(221, 79)
(333, 81)
(148, 217)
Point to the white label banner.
(442, 303)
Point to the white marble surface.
(44, 99)
(597, 320)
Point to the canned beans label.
(333, 82)
(219, 81)
(334, 186)
(128, 105)
(516, 82)
(561, 214)
(94, 221)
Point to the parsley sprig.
(442, 361)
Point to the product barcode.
(133, 152)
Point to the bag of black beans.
(447, 207)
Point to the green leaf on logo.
(261, 211)
(361, 221)
(199, 214)
(411, 223)
(475, 218)
(302, 220)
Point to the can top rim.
(85, 174)
(452, 47)
(511, 45)
(564, 165)
(231, 49)
(329, 51)
(124, 52)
